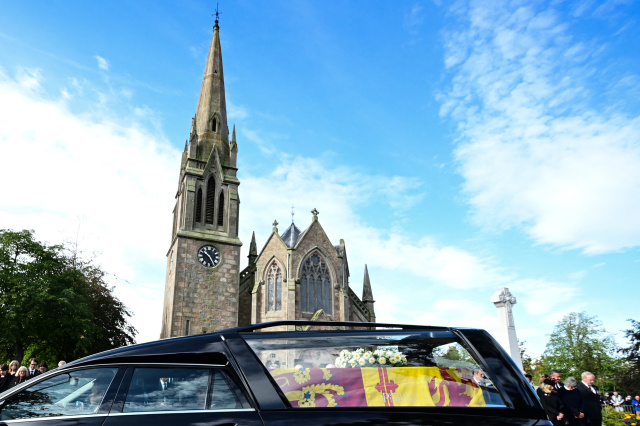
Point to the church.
(298, 274)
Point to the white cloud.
(103, 64)
(61, 172)
(236, 112)
(414, 18)
(28, 78)
(535, 150)
(64, 173)
(339, 193)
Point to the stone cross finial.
(504, 301)
(315, 213)
(275, 226)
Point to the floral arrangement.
(377, 358)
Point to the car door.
(181, 394)
(80, 396)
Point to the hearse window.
(178, 389)
(421, 369)
(75, 393)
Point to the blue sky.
(457, 147)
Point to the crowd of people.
(14, 374)
(574, 402)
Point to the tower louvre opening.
(199, 206)
(211, 193)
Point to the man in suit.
(33, 370)
(489, 392)
(591, 395)
(557, 378)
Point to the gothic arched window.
(199, 205)
(211, 194)
(274, 288)
(221, 209)
(214, 124)
(315, 285)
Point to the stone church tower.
(201, 289)
(297, 275)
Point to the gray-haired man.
(591, 395)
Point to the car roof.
(190, 348)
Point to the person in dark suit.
(5, 377)
(575, 406)
(556, 376)
(33, 368)
(593, 398)
(551, 402)
(489, 392)
(21, 376)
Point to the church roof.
(291, 235)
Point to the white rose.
(361, 361)
(382, 360)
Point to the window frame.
(274, 288)
(326, 288)
(460, 338)
(103, 409)
(228, 374)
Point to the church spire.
(367, 294)
(211, 112)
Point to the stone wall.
(206, 297)
(275, 249)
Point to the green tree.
(629, 379)
(579, 343)
(527, 362)
(53, 305)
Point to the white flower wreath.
(377, 358)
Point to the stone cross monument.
(504, 300)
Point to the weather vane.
(293, 212)
(217, 13)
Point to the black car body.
(287, 373)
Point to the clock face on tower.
(209, 256)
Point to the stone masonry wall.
(206, 297)
(275, 247)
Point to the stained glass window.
(315, 283)
(274, 288)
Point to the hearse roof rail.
(303, 325)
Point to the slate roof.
(291, 235)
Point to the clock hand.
(209, 256)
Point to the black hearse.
(287, 373)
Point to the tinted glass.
(422, 369)
(172, 389)
(70, 394)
